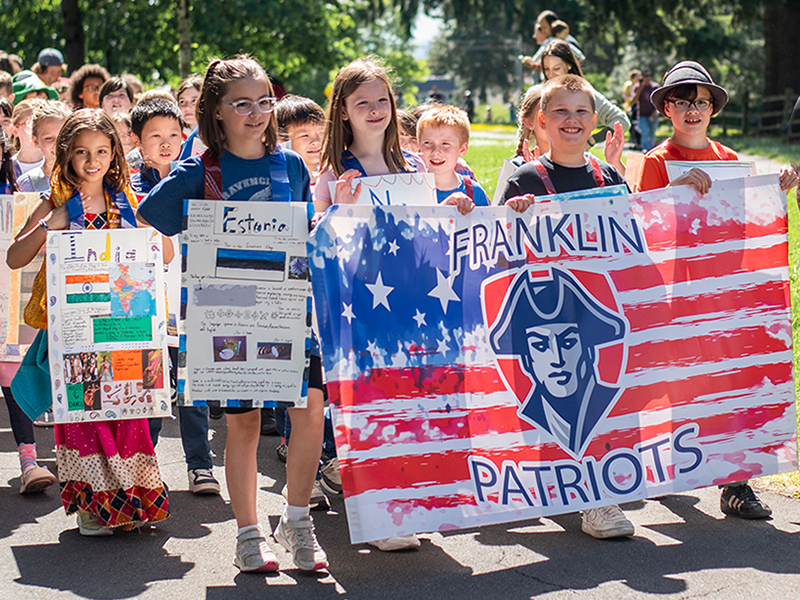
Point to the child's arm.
(696, 178)
(789, 177)
(345, 194)
(520, 203)
(34, 234)
(461, 201)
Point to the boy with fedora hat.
(689, 98)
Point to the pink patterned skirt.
(109, 469)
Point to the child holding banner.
(689, 98)
(568, 115)
(108, 470)
(234, 118)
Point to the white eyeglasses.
(242, 108)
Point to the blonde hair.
(338, 135)
(445, 116)
(22, 112)
(90, 119)
(570, 83)
(155, 93)
(219, 74)
(50, 110)
(528, 110)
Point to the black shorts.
(314, 382)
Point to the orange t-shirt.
(654, 173)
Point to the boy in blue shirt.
(443, 136)
(157, 130)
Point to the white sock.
(295, 513)
(246, 528)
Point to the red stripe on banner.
(692, 269)
(714, 347)
(89, 278)
(448, 467)
(436, 424)
(643, 316)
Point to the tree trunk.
(73, 34)
(185, 37)
(781, 26)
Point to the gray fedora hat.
(689, 72)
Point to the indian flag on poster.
(91, 287)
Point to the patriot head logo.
(560, 348)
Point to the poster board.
(107, 325)
(15, 285)
(245, 328)
(717, 170)
(396, 189)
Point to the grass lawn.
(486, 157)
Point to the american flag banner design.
(496, 367)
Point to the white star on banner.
(420, 319)
(442, 347)
(380, 293)
(348, 313)
(372, 348)
(443, 291)
(393, 248)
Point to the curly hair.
(79, 76)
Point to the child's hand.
(344, 193)
(520, 203)
(614, 145)
(527, 154)
(696, 178)
(789, 178)
(460, 200)
(58, 218)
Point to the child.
(6, 87)
(86, 83)
(115, 96)
(8, 182)
(122, 122)
(89, 189)
(187, 95)
(28, 156)
(689, 98)
(568, 115)
(408, 130)
(443, 134)
(301, 122)
(27, 86)
(45, 125)
(234, 117)
(156, 129)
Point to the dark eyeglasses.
(684, 105)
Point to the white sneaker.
(89, 525)
(398, 542)
(606, 522)
(299, 539)
(202, 481)
(253, 554)
(318, 500)
(331, 478)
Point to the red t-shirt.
(654, 173)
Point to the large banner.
(107, 325)
(496, 367)
(15, 286)
(246, 304)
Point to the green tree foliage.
(299, 41)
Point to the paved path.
(684, 548)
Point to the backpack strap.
(598, 174)
(470, 191)
(213, 175)
(544, 176)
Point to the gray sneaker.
(299, 539)
(202, 481)
(253, 555)
(606, 522)
(331, 478)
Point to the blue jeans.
(648, 126)
(194, 436)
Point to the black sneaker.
(282, 451)
(741, 501)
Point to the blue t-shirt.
(478, 195)
(242, 179)
(145, 180)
